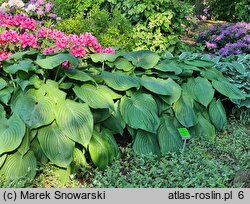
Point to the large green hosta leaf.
(204, 129)
(123, 64)
(2, 112)
(160, 86)
(199, 63)
(12, 132)
(2, 159)
(56, 145)
(184, 110)
(24, 65)
(217, 114)
(143, 58)
(94, 96)
(56, 60)
(200, 90)
(146, 143)
(78, 75)
(18, 165)
(103, 57)
(3, 83)
(37, 149)
(120, 81)
(169, 66)
(228, 89)
(75, 120)
(140, 112)
(35, 111)
(168, 135)
(101, 151)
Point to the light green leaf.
(75, 120)
(79, 159)
(140, 112)
(199, 63)
(56, 145)
(17, 166)
(123, 64)
(101, 151)
(78, 75)
(120, 81)
(168, 135)
(11, 133)
(20, 55)
(160, 86)
(56, 60)
(2, 159)
(25, 145)
(35, 111)
(228, 89)
(24, 65)
(200, 90)
(146, 143)
(94, 96)
(184, 111)
(3, 83)
(5, 94)
(217, 114)
(103, 57)
(169, 66)
(143, 58)
(2, 112)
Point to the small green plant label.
(184, 133)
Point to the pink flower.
(48, 7)
(4, 56)
(109, 50)
(65, 64)
(9, 36)
(27, 39)
(62, 43)
(48, 50)
(43, 32)
(78, 51)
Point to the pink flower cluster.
(20, 31)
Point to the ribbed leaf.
(79, 159)
(160, 86)
(2, 159)
(146, 143)
(17, 165)
(200, 90)
(204, 129)
(140, 112)
(168, 135)
(36, 148)
(169, 66)
(103, 57)
(35, 111)
(217, 114)
(12, 132)
(123, 64)
(2, 112)
(78, 75)
(184, 111)
(56, 60)
(24, 65)
(101, 151)
(100, 115)
(143, 58)
(5, 94)
(75, 120)
(228, 89)
(56, 145)
(3, 83)
(25, 145)
(199, 63)
(93, 96)
(110, 138)
(120, 81)
(109, 91)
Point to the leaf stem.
(12, 81)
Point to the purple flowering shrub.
(227, 39)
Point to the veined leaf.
(35, 112)
(93, 96)
(101, 151)
(143, 58)
(228, 89)
(140, 112)
(100, 115)
(56, 145)
(120, 81)
(169, 66)
(109, 91)
(200, 90)
(103, 57)
(168, 135)
(3, 83)
(11, 133)
(199, 63)
(56, 60)
(146, 143)
(24, 65)
(20, 55)
(123, 64)
(17, 166)
(39, 154)
(217, 114)
(160, 86)
(79, 159)
(5, 94)
(75, 120)
(2, 159)
(184, 111)
(78, 75)
(204, 129)
(25, 145)
(2, 112)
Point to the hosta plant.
(70, 115)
